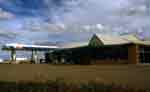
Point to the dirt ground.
(136, 76)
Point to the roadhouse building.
(103, 49)
(100, 49)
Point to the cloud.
(86, 11)
(5, 14)
(57, 16)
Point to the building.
(103, 49)
(100, 49)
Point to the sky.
(35, 21)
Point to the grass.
(133, 76)
(62, 86)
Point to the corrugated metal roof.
(107, 39)
(73, 45)
(135, 40)
(146, 42)
(131, 38)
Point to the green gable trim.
(95, 42)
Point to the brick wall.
(133, 54)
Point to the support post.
(34, 57)
(13, 55)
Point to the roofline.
(47, 49)
(27, 49)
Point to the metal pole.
(34, 56)
(13, 55)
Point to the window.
(144, 54)
(115, 52)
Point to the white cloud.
(88, 11)
(89, 16)
(5, 14)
